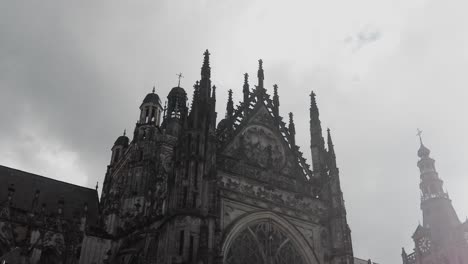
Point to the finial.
(313, 102)
(125, 132)
(292, 130)
(246, 78)
(154, 88)
(312, 95)
(180, 76)
(230, 105)
(97, 185)
(275, 89)
(260, 75)
(213, 94)
(206, 71)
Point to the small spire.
(230, 105)
(97, 185)
(206, 70)
(213, 94)
(331, 151)
(125, 132)
(275, 100)
(331, 148)
(292, 127)
(313, 102)
(260, 74)
(246, 88)
(154, 88)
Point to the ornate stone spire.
(230, 105)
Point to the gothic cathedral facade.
(187, 189)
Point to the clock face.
(424, 244)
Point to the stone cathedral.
(185, 188)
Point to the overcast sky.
(72, 76)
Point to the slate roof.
(51, 191)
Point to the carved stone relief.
(258, 146)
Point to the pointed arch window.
(263, 243)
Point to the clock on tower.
(424, 244)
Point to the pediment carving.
(258, 145)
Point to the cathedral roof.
(51, 191)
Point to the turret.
(150, 109)
(120, 145)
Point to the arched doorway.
(265, 238)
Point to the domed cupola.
(177, 102)
(122, 141)
(151, 109)
(119, 148)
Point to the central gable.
(259, 142)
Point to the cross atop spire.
(419, 135)
(180, 76)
